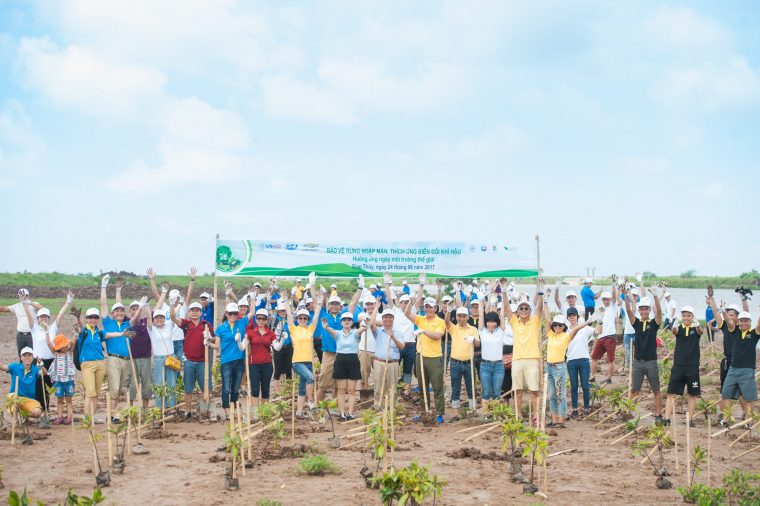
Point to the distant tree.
(689, 274)
(648, 274)
(752, 277)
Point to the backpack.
(78, 348)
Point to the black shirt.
(744, 349)
(687, 347)
(728, 340)
(646, 339)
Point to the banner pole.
(538, 256)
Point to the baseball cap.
(308, 300)
(403, 282)
(687, 309)
(667, 294)
(559, 319)
(348, 315)
(158, 312)
(27, 349)
(244, 302)
(571, 311)
(262, 312)
(369, 300)
(523, 303)
(334, 298)
(645, 302)
(373, 285)
(446, 298)
(232, 308)
(92, 312)
(46, 312)
(430, 302)
(387, 312)
(133, 303)
(302, 312)
(257, 284)
(588, 280)
(733, 307)
(333, 286)
(280, 306)
(635, 291)
(745, 315)
(404, 297)
(475, 301)
(606, 295)
(119, 305)
(462, 310)
(195, 305)
(205, 295)
(571, 293)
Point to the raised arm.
(64, 308)
(630, 311)
(153, 288)
(162, 297)
(575, 329)
(190, 285)
(717, 315)
(288, 311)
(329, 329)
(28, 310)
(357, 294)
(173, 315)
(657, 308)
(546, 313)
(439, 291)
(539, 297)
(388, 281)
(447, 316)
(556, 298)
(745, 304)
(103, 296)
(614, 288)
(373, 319)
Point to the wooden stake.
(506, 393)
(741, 436)
(624, 436)
(385, 433)
(709, 440)
(616, 427)
(560, 452)
(205, 369)
(129, 426)
(649, 454)
(138, 389)
(606, 418)
(489, 429)
(723, 431)
(472, 377)
(630, 368)
(543, 403)
(232, 434)
(163, 397)
(393, 425)
(15, 414)
(293, 407)
(745, 453)
(108, 429)
(240, 431)
(424, 385)
(688, 449)
(675, 435)
(467, 429)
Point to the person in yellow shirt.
(302, 337)
(430, 330)
(464, 339)
(526, 352)
(557, 341)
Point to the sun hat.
(27, 349)
(205, 295)
(232, 308)
(60, 342)
(92, 312)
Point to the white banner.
(235, 257)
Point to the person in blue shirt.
(207, 311)
(230, 338)
(711, 324)
(406, 289)
(347, 369)
(589, 297)
(24, 382)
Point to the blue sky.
(624, 133)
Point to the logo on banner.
(291, 246)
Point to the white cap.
(588, 280)
(462, 310)
(635, 291)
(373, 285)
(298, 280)
(173, 292)
(446, 298)
(158, 312)
(645, 302)
(92, 312)
(262, 312)
(302, 312)
(308, 300)
(334, 298)
(429, 302)
(333, 286)
(119, 305)
(403, 282)
(687, 309)
(46, 312)
(232, 308)
(369, 300)
(404, 297)
(387, 312)
(733, 307)
(257, 284)
(745, 315)
(195, 305)
(348, 315)
(475, 301)
(133, 303)
(244, 302)
(280, 306)
(27, 349)
(667, 294)
(205, 295)
(571, 293)
(560, 319)
(523, 303)
(606, 295)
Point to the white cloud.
(78, 77)
(198, 144)
(288, 98)
(683, 28)
(19, 145)
(494, 145)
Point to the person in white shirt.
(492, 341)
(571, 300)
(23, 330)
(629, 334)
(162, 333)
(404, 328)
(670, 311)
(578, 361)
(607, 342)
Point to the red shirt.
(194, 349)
(260, 344)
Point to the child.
(62, 372)
(24, 382)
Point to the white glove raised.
(228, 291)
(172, 300)
(470, 339)
(206, 341)
(360, 282)
(277, 345)
(69, 297)
(418, 332)
(312, 278)
(322, 289)
(105, 280)
(23, 292)
(143, 301)
(423, 277)
(387, 279)
(237, 336)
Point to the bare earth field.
(178, 469)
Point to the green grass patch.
(317, 465)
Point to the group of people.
(383, 335)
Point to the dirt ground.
(179, 467)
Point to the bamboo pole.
(138, 389)
(675, 435)
(543, 417)
(467, 429)
(709, 440)
(606, 418)
(424, 384)
(625, 436)
(630, 368)
(393, 426)
(232, 435)
(293, 407)
(472, 377)
(745, 453)
(649, 454)
(616, 427)
(489, 429)
(15, 413)
(108, 429)
(688, 449)
(259, 431)
(741, 436)
(385, 433)
(128, 441)
(506, 393)
(723, 431)
(206, 368)
(163, 397)
(560, 452)
(240, 431)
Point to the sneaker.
(350, 417)
(310, 404)
(115, 420)
(574, 414)
(342, 418)
(300, 416)
(692, 424)
(608, 381)
(58, 421)
(592, 380)
(417, 418)
(665, 422)
(44, 422)
(99, 420)
(722, 423)
(586, 411)
(186, 415)
(439, 419)
(67, 421)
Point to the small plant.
(14, 499)
(706, 407)
(379, 440)
(268, 502)
(657, 437)
(120, 431)
(12, 405)
(702, 495)
(103, 478)
(410, 485)
(278, 431)
(153, 416)
(742, 487)
(317, 465)
(536, 443)
(693, 491)
(324, 407)
(82, 500)
(500, 411)
(512, 433)
(627, 407)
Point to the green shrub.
(317, 465)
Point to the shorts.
(683, 376)
(64, 388)
(93, 372)
(740, 380)
(195, 372)
(283, 362)
(525, 374)
(646, 368)
(27, 405)
(347, 367)
(607, 344)
(326, 372)
(144, 371)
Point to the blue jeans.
(460, 370)
(179, 350)
(408, 356)
(260, 376)
(171, 380)
(557, 374)
(232, 374)
(194, 373)
(491, 378)
(579, 367)
(305, 376)
(627, 340)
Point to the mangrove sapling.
(12, 405)
(368, 419)
(119, 431)
(742, 487)
(410, 485)
(161, 391)
(102, 478)
(536, 444)
(233, 445)
(379, 440)
(152, 417)
(317, 465)
(278, 431)
(82, 500)
(16, 499)
(324, 407)
(657, 438)
(511, 434)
